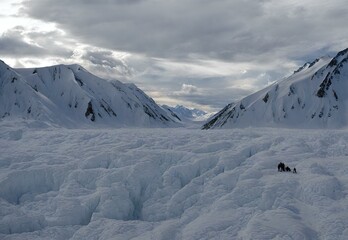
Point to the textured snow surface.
(57, 183)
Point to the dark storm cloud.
(158, 28)
(196, 51)
(103, 58)
(14, 43)
(16, 47)
(240, 29)
(104, 64)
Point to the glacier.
(59, 183)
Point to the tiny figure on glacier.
(281, 167)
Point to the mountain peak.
(4, 67)
(308, 65)
(68, 95)
(313, 97)
(187, 114)
(340, 57)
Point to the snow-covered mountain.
(186, 114)
(68, 95)
(315, 96)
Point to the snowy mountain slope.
(18, 98)
(172, 184)
(315, 96)
(186, 114)
(68, 95)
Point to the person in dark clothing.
(281, 167)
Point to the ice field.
(58, 183)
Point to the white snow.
(70, 96)
(58, 183)
(315, 96)
(188, 114)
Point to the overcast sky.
(199, 53)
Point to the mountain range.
(70, 96)
(314, 96)
(186, 114)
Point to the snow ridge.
(313, 97)
(70, 96)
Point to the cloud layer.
(194, 52)
(229, 30)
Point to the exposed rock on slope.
(315, 96)
(68, 95)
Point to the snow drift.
(68, 95)
(315, 96)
